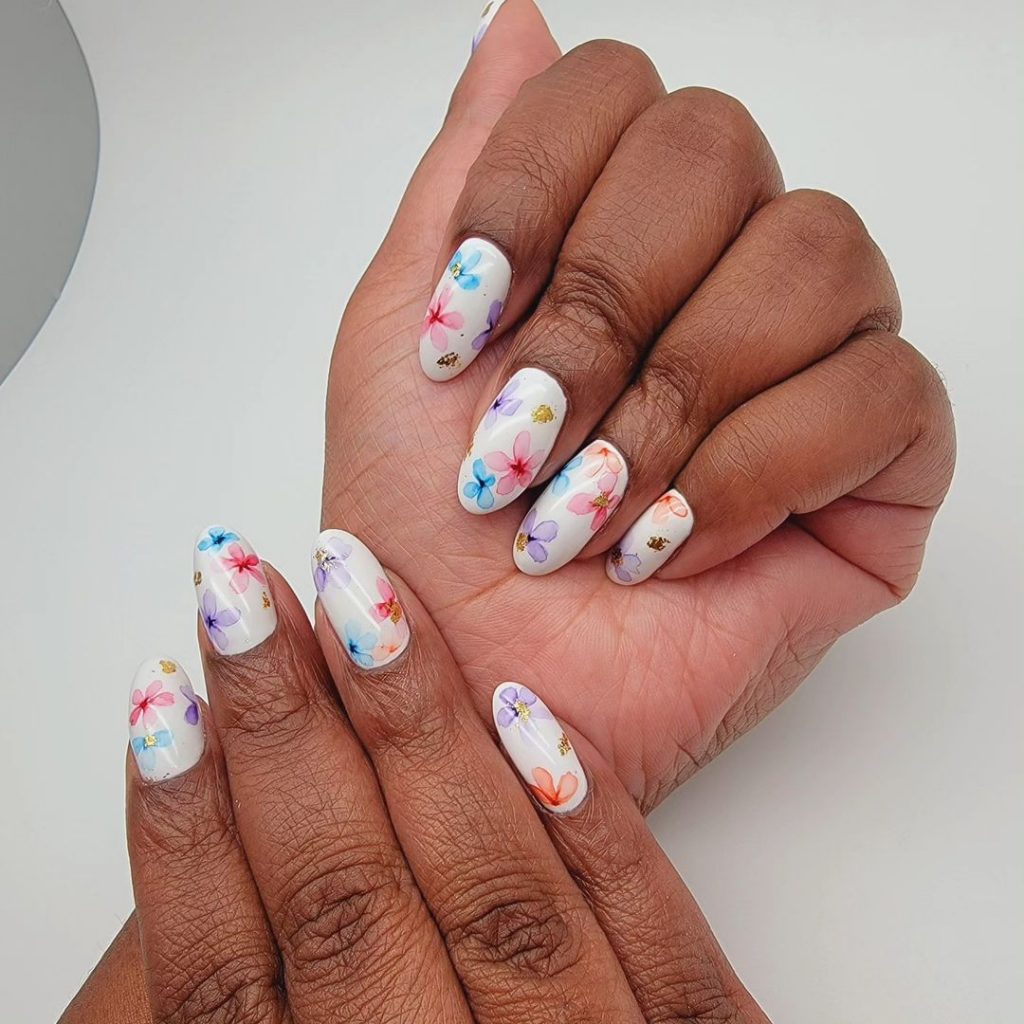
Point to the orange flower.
(546, 791)
(669, 504)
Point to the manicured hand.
(625, 413)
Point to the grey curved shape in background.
(49, 127)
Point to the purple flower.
(492, 321)
(626, 566)
(192, 711)
(217, 619)
(519, 703)
(504, 405)
(533, 536)
(329, 567)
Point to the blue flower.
(216, 537)
(145, 747)
(360, 645)
(561, 482)
(479, 488)
(460, 268)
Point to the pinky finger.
(870, 424)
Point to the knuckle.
(499, 927)
(239, 990)
(339, 909)
(828, 228)
(179, 822)
(693, 998)
(610, 59)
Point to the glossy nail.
(486, 18)
(539, 748)
(512, 441)
(651, 541)
(165, 721)
(573, 508)
(359, 599)
(231, 588)
(464, 309)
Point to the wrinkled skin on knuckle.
(618, 66)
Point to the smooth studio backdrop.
(860, 853)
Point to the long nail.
(464, 309)
(651, 541)
(574, 506)
(539, 748)
(485, 21)
(359, 600)
(165, 722)
(512, 441)
(231, 588)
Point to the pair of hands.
(721, 336)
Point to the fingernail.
(539, 748)
(485, 21)
(231, 588)
(512, 441)
(165, 722)
(465, 308)
(573, 507)
(359, 599)
(651, 541)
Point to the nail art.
(512, 441)
(231, 588)
(359, 599)
(539, 748)
(486, 18)
(651, 541)
(464, 309)
(573, 507)
(164, 720)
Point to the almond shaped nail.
(651, 541)
(165, 721)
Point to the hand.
(718, 337)
(281, 876)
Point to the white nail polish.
(512, 441)
(486, 18)
(359, 599)
(573, 507)
(165, 721)
(539, 748)
(651, 541)
(465, 308)
(231, 588)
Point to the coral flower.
(548, 793)
(242, 568)
(440, 320)
(669, 505)
(520, 468)
(143, 703)
(388, 608)
(599, 505)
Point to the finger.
(522, 193)
(356, 939)
(206, 945)
(518, 931)
(871, 421)
(666, 948)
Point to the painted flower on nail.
(388, 607)
(217, 619)
(599, 505)
(669, 505)
(440, 320)
(330, 566)
(519, 704)
(192, 711)
(155, 696)
(548, 793)
(479, 488)
(562, 478)
(360, 646)
(520, 468)
(603, 459)
(626, 566)
(391, 640)
(506, 404)
(460, 268)
(492, 321)
(533, 536)
(145, 747)
(242, 568)
(216, 538)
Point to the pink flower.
(388, 608)
(142, 703)
(520, 468)
(599, 505)
(242, 567)
(439, 320)
(602, 458)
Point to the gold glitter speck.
(602, 501)
(449, 360)
(167, 667)
(522, 710)
(266, 600)
(543, 414)
(658, 543)
(564, 746)
(197, 578)
(521, 542)
(149, 741)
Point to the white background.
(860, 853)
